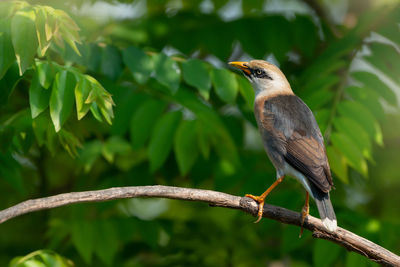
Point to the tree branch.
(342, 237)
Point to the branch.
(342, 237)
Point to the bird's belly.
(289, 170)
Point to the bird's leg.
(304, 212)
(260, 199)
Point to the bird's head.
(264, 76)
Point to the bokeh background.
(96, 94)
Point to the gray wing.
(299, 138)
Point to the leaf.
(185, 147)
(386, 58)
(38, 97)
(350, 151)
(39, 126)
(83, 238)
(337, 163)
(40, 22)
(369, 98)
(82, 89)
(225, 84)
(140, 64)
(318, 98)
(8, 83)
(69, 142)
(107, 241)
(162, 139)
(356, 133)
(143, 120)
(62, 98)
(114, 145)
(111, 62)
(247, 91)
(7, 56)
(96, 112)
(167, 72)
(90, 152)
(304, 26)
(195, 73)
(364, 117)
(10, 171)
(372, 81)
(46, 72)
(23, 32)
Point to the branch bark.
(341, 237)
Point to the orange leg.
(260, 199)
(304, 212)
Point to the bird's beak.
(241, 65)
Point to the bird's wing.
(299, 134)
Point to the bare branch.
(342, 237)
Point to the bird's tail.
(326, 211)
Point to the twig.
(342, 236)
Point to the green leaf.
(39, 126)
(203, 138)
(83, 237)
(140, 64)
(185, 147)
(23, 32)
(246, 90)
(304, 26)
(82, 90)
(350, 151)
(143, 120)
(167, 72)
(38, 97)
(46, 72)
(62, 98)
(386, 58)
(96, 112)
(111, 62)
(372, 81)
(90, 152)
(356, 133)
(69, 142)
(318, 98)
(10, 171)
(7, 56)
(107, 241)
(195, 73)
(363, 116)
(115, 145)
(162, 138)
(369, 98)
(337, 163)
(225, 84)
(8, 83)
(40, 22)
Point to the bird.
(291, 138)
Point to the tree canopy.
(97, 94)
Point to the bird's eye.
(258, 72)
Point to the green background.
(119, 93)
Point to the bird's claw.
(260, 201)
(304, 213)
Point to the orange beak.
(241, 65)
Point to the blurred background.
(96, 94)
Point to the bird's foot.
(304, 213)
(260, 200)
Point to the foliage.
(166, 110)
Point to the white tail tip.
(331, 225)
